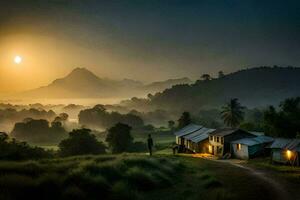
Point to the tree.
(232, 113)
(100, 118)
(119, 138)
(184, 120)
(11, 149)
(221, 74)
(206, 77)
(286, 121)
(81, 142)
(171, 124)
(39, 131)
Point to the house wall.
(278, 155)
(200, 147)
(216, 143)
(241, 153)
(239, 134)
(222, 145)
(180, 140)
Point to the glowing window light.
(288, 154)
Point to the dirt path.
(275, 188)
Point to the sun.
(18, 59)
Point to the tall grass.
(86, 177)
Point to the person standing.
(150, 144)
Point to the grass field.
(130, 176)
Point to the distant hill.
(157, 86)
(82, 83)
(254, 87)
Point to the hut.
(220, 140)
(285, 151)
(198, 140)
(246, 148)
(181, 142)
(185, 131)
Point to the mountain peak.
(80, 70)
(81, 73)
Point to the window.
(211, 138)
(217, 139)
(238, 146)
(222, 140)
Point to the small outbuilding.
(285, 151)
(198, 140)
(181, 142)
(246, 148)
(193, 138)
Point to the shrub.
(81, 142)
(11, 149)
(119, 138)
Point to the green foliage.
(81, 142)
(184, 120)
(98, 117)
(206, 77)
(12, 115)
(119, 138)
(286, 121)
(254, 87)
(232, 113)
(10, 149)
(39, 131)
(87, 177)
(171, 125)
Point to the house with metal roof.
(191, 128)
(220, 140)
(246, 148)
(198, 141)
(285, 151)
(193, 138)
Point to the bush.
(81, 142)
(11, 149)
(119, 138)
(82, 177)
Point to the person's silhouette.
(150, 144)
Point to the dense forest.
(256, 87)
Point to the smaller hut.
(285, 151)
(246, 148)
(198, 140)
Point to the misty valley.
(149, 100)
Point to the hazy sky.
(143, 40)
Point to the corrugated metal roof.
(293, 145)
(280, 143)
(187, 130)
(257, 133)
(199, 135)
(264, 139)
(196, 133)
(223, 131)
(254, 141)
(202, 136)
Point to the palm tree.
(232, 113)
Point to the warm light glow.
(289, 154)
(18, 59)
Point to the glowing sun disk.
(18, 59)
